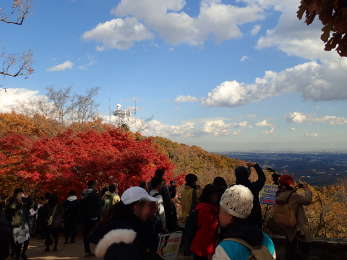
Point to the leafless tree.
(61, 103)
(12, 65)
(84, 107)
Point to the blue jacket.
(230, 250)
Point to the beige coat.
(187, 200)
(297, 201)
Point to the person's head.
(191, 180)
(275, 178)
(287, 181)
(210, 194)
(71, 193)
(220, 182)
(242, 174)
(139, 202)
(160, 173)
(18, 194)
(91, 184)
(236, 203)
(112, 188)
(157, 183)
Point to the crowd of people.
(220, 222)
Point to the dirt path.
(65, 252)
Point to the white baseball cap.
(135, 194)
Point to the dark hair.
(220, 182)
(191, 179)
(72, 193)
(91, 183)
(53, 199)
(160, 172)
(143, 185)
(242, 174)
(112, 188)
(207, 193)
(120, 211)
(17, 191)
(156, 181)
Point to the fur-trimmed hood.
(116, 236)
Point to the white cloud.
(168, 20)
(186, 99)
(264, 123)
(14, 99)
(311, 134)
(244, 58)
(256, 29)
(219, 127)
(118, 33)
(67, 65)
(298, 117)
(270, 131)
(293, 129)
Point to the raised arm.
(259, 184)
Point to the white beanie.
(237, 201)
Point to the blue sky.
(192, 67)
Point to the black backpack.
(189, 232)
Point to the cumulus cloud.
(270, 131)
(244, 58)
(311, 134)
(263, 123)
(118, 33)
(219, 127)
(186, 99)
(297, 117)
(168, 20)
(67, 65)
(256, 29)
(321, 78)
(15, 98)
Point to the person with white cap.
(241, 239)
(126, 235)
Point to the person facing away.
(242, 178)
(190, 195)
(126, 235)
(221, 184)
(17, 213)
(90, 213)
(238, 234)
(205, 240)
(110, 198)
(71, 216)
(156, 186)
(169, 206)
(288, 193)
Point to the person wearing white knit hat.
(240, 235)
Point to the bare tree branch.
(19, 11)
(16, 65)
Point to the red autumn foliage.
(67, 161)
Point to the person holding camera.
(288, 195)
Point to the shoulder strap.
(156, 194)
(240, 241)
(290, 195)
(258, 253)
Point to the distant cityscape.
(314, 168)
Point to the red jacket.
(205, 240)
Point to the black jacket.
(71, 210)
(90, 206)
(124, 239)
(255, 187)
(5, 237)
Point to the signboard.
(267, 195)
(169, 245)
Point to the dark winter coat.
(123, 239)
(71, 211)
(5, 237)
(17, 213)
(255, 187)
(91, 206)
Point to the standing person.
(5, 237)
(53, 219)
(221, 184)
(156, 185)
(110, 198)
(169, 206)
(190, 195)
(18, 216)
(242, 178)
(90, 213)
(71, 216)
(205, 240)
(240, 236)
(126, 235)
(287, 194)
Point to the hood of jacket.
(207, 207)
(283, 197)
(243, 229)
(115, 236)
